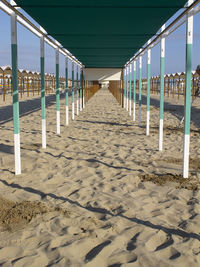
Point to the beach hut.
(177, 83)
(182, 83)
(6, 80)
(195, 83)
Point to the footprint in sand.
(168, 250)
(96, 250)
(175, 254)
(122, 258)
(168, 242)
(132, 243)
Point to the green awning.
(101, 33)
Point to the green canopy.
(101, 33)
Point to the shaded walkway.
(27, 107)
(93, 170)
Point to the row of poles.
(130, 74)
(80, 102)
(31, 83)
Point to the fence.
(174, 86)
(91, 89)
(115, 88)
(30, 82)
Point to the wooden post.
(27, 85)
(193, 87)
(4, 89)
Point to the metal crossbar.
(168, 30)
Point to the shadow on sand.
(167, 230)
(27, 107)
(174, 109)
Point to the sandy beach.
(101, 194)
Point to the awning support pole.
(15, 93)
(134, 88)
(43, 92)
(57, 92)
(125, 87)
(148, 88)
(81, 89)
(162, 73)
(66, 91)
(140, 89)
(72, 90)
(77, 91)
(130, 90)
(127, 69)
(189, 44)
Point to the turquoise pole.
(140, 88)
(66, 91)
(134, 88)
(57, 92)
(43, 92)
(127, 91)
(130, 89)
(189, 44)
(162, 73)
(77, 91)
(148, 87)
(14, 59)
(73, 91)
(124, 87)
(81, 89)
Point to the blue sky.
(29, 50)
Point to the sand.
(101, 194)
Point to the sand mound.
(14, 215)
(163, 179)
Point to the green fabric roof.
(101, 33)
